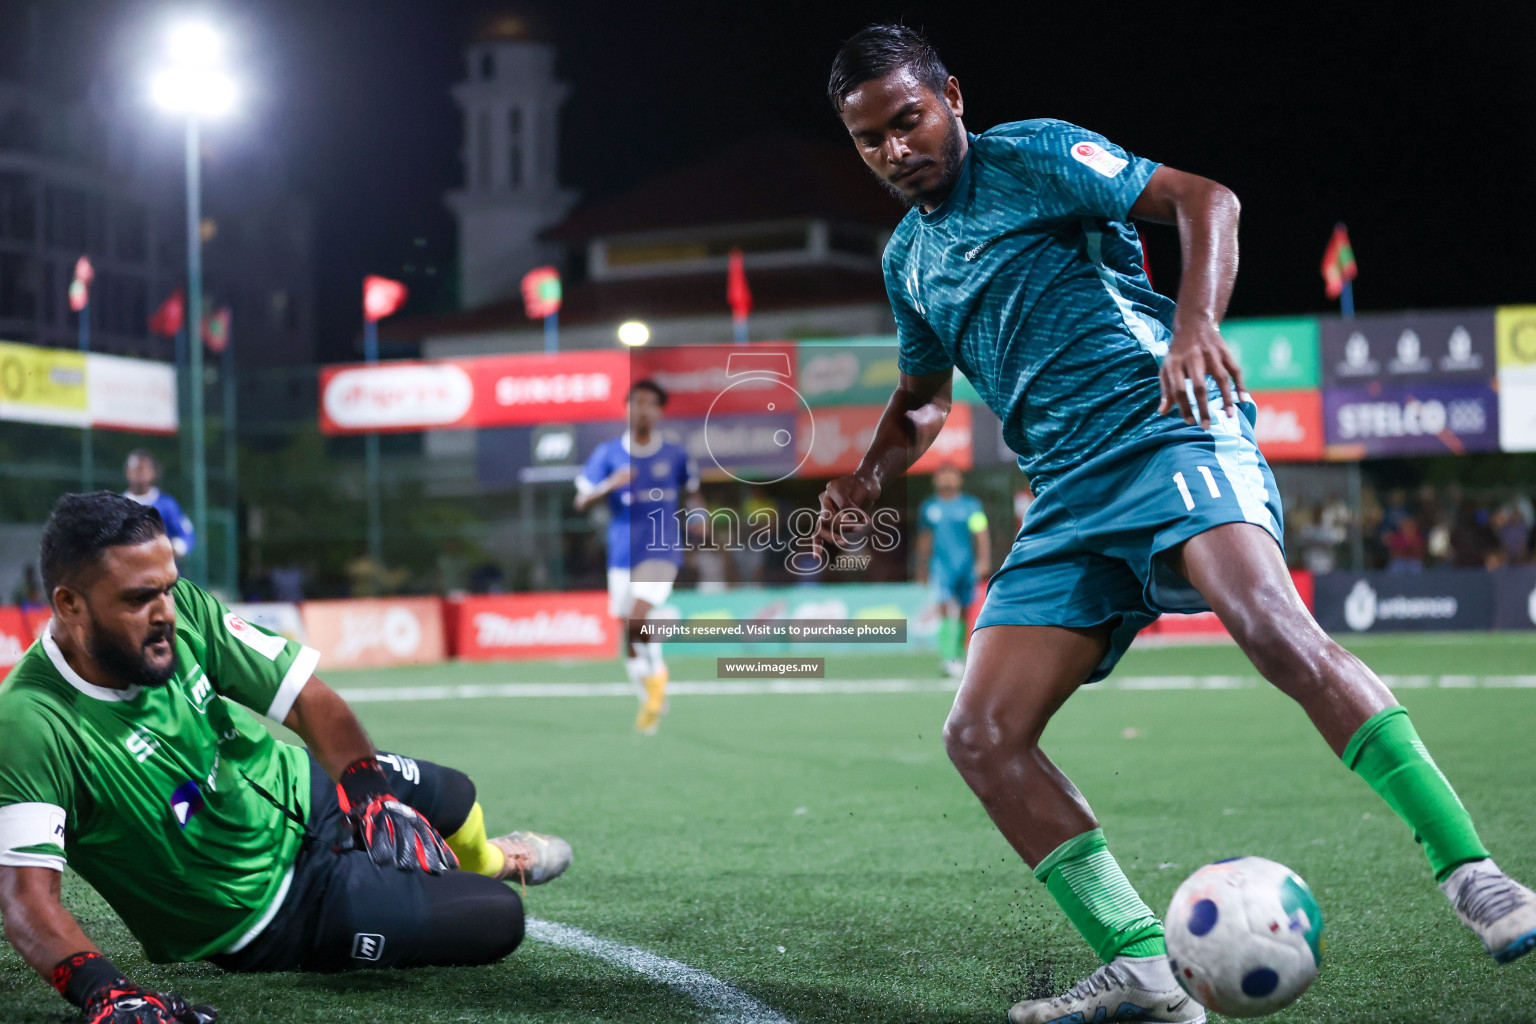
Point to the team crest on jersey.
(1098, 158)
(186, 801)
(660, 468)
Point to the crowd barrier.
(380, 632)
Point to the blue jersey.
(643, 520)
(178, 528)
(1028, 277)
(953, 522)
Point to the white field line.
(739, 687)
(727, 1003)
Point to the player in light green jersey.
(131, 754)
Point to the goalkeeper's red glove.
(93, 983)
(394, 834)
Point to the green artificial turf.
(819, 853)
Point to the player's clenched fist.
(93, 983)
(845, 506)
(393, 834)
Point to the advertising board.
(373, 632)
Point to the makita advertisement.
(1416, 419)
(1431, 601)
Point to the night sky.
(1415, 126)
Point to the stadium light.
(192, 83)
(633, 332)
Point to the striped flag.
(1338, 262)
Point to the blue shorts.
(1088, 550)
(947, 583)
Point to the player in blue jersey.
(143, 472)
(1019, 264)
(952, 550)
(645, 479)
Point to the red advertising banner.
(15, 637)
(371, 632)
(1289, 427)
(699, 379)
(838, 436)
(490, 391)
(1206, 627)
(522, 626)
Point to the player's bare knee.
(976, 740)
(1284, 652)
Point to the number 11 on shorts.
(1210, 485)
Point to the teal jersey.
(151, 793)
(953, 523)
(1029, 278)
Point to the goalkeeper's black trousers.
(342, 912)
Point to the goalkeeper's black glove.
(93, 983)
(394, 834)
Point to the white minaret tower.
(511, 104)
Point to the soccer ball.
(1245, 936)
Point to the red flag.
(80, 287)
(736, 291)
(541, 292)
(168, 319)
(381, 297)
(1338, 262)
(216, 330)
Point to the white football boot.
(1499, 909)
(532, 858)
(1130, 989)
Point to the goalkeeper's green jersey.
(150, 793)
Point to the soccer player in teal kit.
(1018, 264)
(952, 547)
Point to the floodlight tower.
(194, 84)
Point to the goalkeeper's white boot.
(1130, 989)
(532, 857)
(1499, 909)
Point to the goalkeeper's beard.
(120, 660)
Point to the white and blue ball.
(1245, 936)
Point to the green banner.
(1276, 355)
(844, 601)
(847, 371)
(856, 371)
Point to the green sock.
(1387, 753)
(949, 639)
(1086, 882)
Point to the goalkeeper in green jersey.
(130, 755)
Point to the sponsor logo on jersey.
(1098, 158)
(972, 254)
(186, 801)
(141, 743)
(367, 946)
(265, 644)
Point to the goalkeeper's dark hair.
(649, 385)
(82, 526)
(878, 50)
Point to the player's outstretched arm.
(1206, 214)
(50, 940)
(912, 419)
(393, 834)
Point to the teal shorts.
(952, 583)
(1089, 550)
